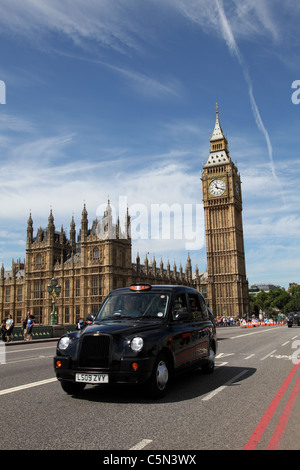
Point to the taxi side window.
(194, 306)
(204, 309)
(198, 307)
(179, 305)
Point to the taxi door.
(201, 325)
(182, 332)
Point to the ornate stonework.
(87, 269)
(227, 289)
(99, 259)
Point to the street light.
(54, 290)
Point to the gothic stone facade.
(100, 260)
(87, 269)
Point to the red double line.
(261, 427)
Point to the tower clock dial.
(217, 187)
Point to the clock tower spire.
(219, 152)
(227, 292)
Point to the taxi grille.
(94, 351)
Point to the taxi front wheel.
(159, 380)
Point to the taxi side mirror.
(181, 315)
(91, 317)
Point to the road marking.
(262, 425)
(280, 428)
(224, 355)
(23, 387)
(11, 350)
(220, 364)
(28, 359)
(254, 333)
(219, 389)
(268, 355)
(248, 357)
(140, 445)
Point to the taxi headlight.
(137, 344)
(64, 342)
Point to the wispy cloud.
(249, 19)
(79, 21)
(141, 82)
(254, 18)
(233, 47)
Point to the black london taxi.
(142, 334)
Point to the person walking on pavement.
(29, 327)
(9, 328)
(24, 328)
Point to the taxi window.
(129, 305)
(203, 308)
(197, 307)
(194, 306)
(179, 304)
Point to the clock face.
(217, 187)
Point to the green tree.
(274, 300)
(294, 300)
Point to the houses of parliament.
(88, 266)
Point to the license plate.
(91, 378)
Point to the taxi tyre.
(72, 388)
(159, 380)
(210, 366)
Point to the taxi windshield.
(137, 306)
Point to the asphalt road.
(251, 401)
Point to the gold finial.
(217, 108)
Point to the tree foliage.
(275, 301)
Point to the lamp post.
(54, 290)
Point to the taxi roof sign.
(139, 287)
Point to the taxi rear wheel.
(208, 368)
(159, 380)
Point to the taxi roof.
(140, 288)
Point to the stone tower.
(227, 289)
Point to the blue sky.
(116, 98)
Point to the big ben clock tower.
(227, 290)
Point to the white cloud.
(77, 20)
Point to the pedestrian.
(29, 327)
(24, 327)
(9, 328)
(80, 324)
(3, 330)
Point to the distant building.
(265, 287)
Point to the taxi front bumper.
(130, 370)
